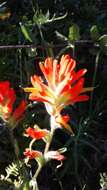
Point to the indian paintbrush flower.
(7, 100)
(63, 86)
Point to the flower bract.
(54, 155)
(32, 154)
(36, 133)
(62, 85)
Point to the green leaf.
(94, 33)
(61, 36)
(40, 18)
(26, 186)
(25, 32)
(103, 40)
(103, 43)
(74, 33)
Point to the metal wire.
(80, 42)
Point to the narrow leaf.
(25, 32)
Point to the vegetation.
(31, 31)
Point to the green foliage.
(94, 33)
(39, 18)
(103, 43)
(45, 26)
(25, 32)
(12, 170)
(74, 33)
(103, 180)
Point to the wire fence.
(24, 46)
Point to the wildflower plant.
(59, 87)
(9, 118)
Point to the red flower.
(64, 85)
(36, 133)
(32, 154)
(17, 114)
(7, 99)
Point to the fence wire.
(24, 46)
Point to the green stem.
(31, 143)
(50, 140)
(37, 172)
(34, 179)
(42, 39)
(93, 82)
(33, 6)
(35, 187)
(33, 182)
(69, 46)
(52, 126)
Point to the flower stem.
(52, 126)
(37, 171)
(34, 179)
(31, 143)
(93, 82)
(49, 142)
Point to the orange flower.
(7, 99)
(17, 114)
(32, 154)
(36, 133)
(63, 85)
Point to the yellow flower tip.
(30, 89)
(68, 127)
(26, 89)
(85, 71)
(87, 89)
(63, 121)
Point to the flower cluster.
(38, 134)
(63, 86)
